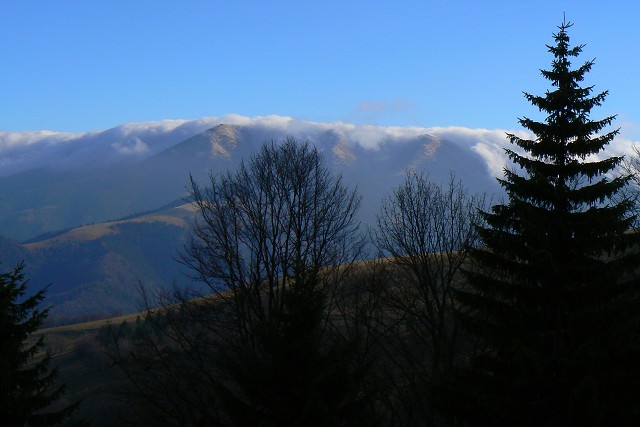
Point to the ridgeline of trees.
(526, 312)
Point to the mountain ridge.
(96, 264)
(42, 200)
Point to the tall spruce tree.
(552, 297)
(27, 389)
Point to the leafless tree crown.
(280, 219)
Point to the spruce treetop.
(560, 173)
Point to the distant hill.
(99, 176)
(95, 270)
(61, 194)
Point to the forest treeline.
(469, 311)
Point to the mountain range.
(97, 214)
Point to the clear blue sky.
(91, 65)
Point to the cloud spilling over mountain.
(51, 181)
(55, 181)
(23, 151)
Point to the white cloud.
(9, 140)
(131, 146)
(155, 126)
(621, 146)
(20, 151)
(494, 157)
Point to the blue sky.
(91, 65)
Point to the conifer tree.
(26, 383)
(551, 297)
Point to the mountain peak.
(223, 141)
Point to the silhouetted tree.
(631, 166)
(27, 384)
(273, 243)
(424, 232)
(553, 298)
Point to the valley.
(103, 218)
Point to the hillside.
(95, 271)
(60, 193)
(87, 371)
(55, 182)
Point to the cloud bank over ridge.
(24, 151)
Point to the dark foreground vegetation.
(524, 313)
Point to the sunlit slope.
(96, 270)
(179, 216)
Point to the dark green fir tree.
(552, 296)
(27, 389)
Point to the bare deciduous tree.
(280, 220)
(423, 230)
(631, 166)
(273, 243)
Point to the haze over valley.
(96, 214)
